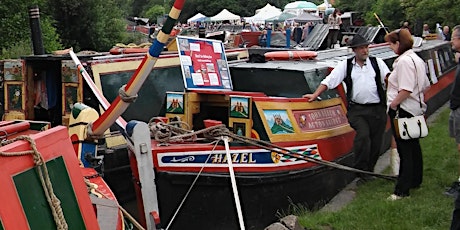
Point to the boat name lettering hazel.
(236, 158)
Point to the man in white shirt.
(364, 77)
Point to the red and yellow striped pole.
(119, 106)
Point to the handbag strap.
(416, 82)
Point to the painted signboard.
(204, 64)
(320, 119)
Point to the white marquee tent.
(268, 8)
(197, 17)
(225, 15)
(264, 14)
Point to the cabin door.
(44, 92)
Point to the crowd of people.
(298, 32)
(443, 32)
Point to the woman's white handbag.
(411, 127)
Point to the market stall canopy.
(263, 15)
(281, 18)
(268, 8)
(307, 17)
(197, 18)
(299, 7)
(225, 15)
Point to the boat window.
(278, 82)
(446, 59)
(150, 101)
(314, 78)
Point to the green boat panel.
(34, 202)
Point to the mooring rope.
(191, 187)
(42, 170)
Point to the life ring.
(291, 55)
(119, 50)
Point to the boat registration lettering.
(320, 119)
(242, 158)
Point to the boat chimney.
(35, 30)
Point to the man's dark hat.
(357, 41)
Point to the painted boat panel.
(34, 202)
(52, 151)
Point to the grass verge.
(426, 208)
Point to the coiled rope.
(42, 170)
(216, 132)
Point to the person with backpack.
(364, 79)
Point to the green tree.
(125, 6)
(444, 12)
(355, 5)
(88, 24)
(139, 6)
(154, 12)
(16, 34)
(393, 12)
(390, 12)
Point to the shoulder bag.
(411, 127)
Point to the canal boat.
(213, 140)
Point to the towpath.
(349, 192)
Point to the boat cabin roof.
(298, 65)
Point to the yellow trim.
(185, 117)
(246, 122)
(64, 102)
(298, 135)
(174, 13)
(85, 116)
(172, 45)
(13, 115)
(162, 37)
